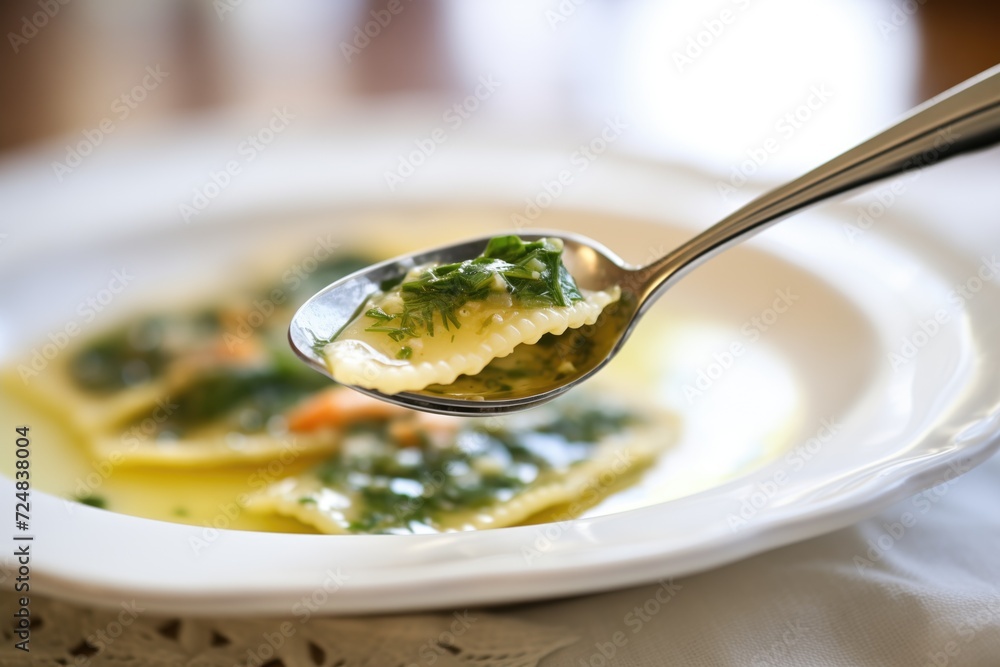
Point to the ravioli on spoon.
(445, 320)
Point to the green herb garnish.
(531, 275)
(126, 356)
(93, 500)
(224, 394)
(399, 490)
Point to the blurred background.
(707, 83)
(747, 92)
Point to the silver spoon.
(963, 119)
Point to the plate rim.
(768, 531)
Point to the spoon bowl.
(593, 265)
(961, 120)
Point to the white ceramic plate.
(811, 428)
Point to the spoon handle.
(963, 119)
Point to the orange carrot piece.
(338, 406)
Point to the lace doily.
(65, 634)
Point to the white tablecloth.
(870, 594)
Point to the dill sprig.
(532, 274)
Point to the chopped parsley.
(402, 489)
(128, 355)
(228, 393)
(529, 275)
(147, 348)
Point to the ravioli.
(225, 414)
(463, 474)
(187, 404)
(209, 385)
(444, 321)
